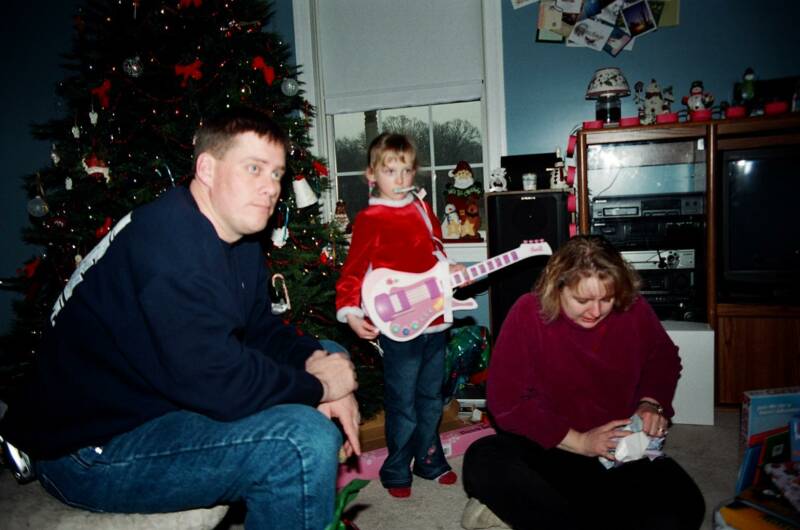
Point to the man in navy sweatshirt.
(165, 382)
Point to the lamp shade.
(607, 82)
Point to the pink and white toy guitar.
(402, 304)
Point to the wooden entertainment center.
(757, 345)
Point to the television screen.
(760, 233)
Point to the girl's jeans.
(413, 374)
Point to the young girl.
(399, 231)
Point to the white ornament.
(93, 117)
(279, 236)
(68, 184)
(497, 180)
(78, 259)
(54, 156)
(304, 196)
(76, 132)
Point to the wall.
(715, 42)
(31, 67)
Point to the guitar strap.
(443, 269)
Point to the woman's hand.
(653, 422)
(600, 441)
(361, 327)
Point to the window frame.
(492, 97)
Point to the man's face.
(245, 185)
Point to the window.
(444, 135)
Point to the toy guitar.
(402, 304)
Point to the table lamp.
(607, 86)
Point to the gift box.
(368, 465)
(765, 412)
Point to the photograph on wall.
(549, 16)
(638, 18)
(592, 8)
(544, 35)
(516, 4)
(617, 41)
(666, 12)
(590, 33)
(569, 7)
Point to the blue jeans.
(413, 374)
(282, 462)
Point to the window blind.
(388, 53)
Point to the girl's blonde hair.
(582, 257)
(391, 143)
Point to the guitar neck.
(484, 268)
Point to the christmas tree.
(142, 77)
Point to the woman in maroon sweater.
(573, 362)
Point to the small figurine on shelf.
(654, 102)
(497, 180)
(698, 98)
(698, 102)
(451, 226)
(341, 219)
(747, 90)
(465, 195)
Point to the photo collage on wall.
(602, 25)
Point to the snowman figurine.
(497, 180)
(654, 102)
(698, 98)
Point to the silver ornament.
(289, 86)
(37, 207)
(76, 132)
(68, 184)
(133, 66)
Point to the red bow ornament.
(320, 168)
(189, 3)
(97, 168)
(189, 70)
(102, 93)
(267, 70)
(103, 230)
(29, 269)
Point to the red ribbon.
(103, 230)
(267, 70)
(188, 3)
(321, 169)
(102, 93)
(189, 70)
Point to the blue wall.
(33, 47)
(715, 42)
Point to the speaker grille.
(512, 218)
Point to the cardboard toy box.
(767, 411)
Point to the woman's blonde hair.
(582, 257)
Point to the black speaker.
(513, 217)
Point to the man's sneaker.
(477, 515)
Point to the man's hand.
(335, 372)
(346, 409)
(361, 327)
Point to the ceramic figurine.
(654, 101)
(451, 226)
(497, 180)
(698, 98)
(465, 195)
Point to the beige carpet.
(709, 455)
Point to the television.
(760, 226)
